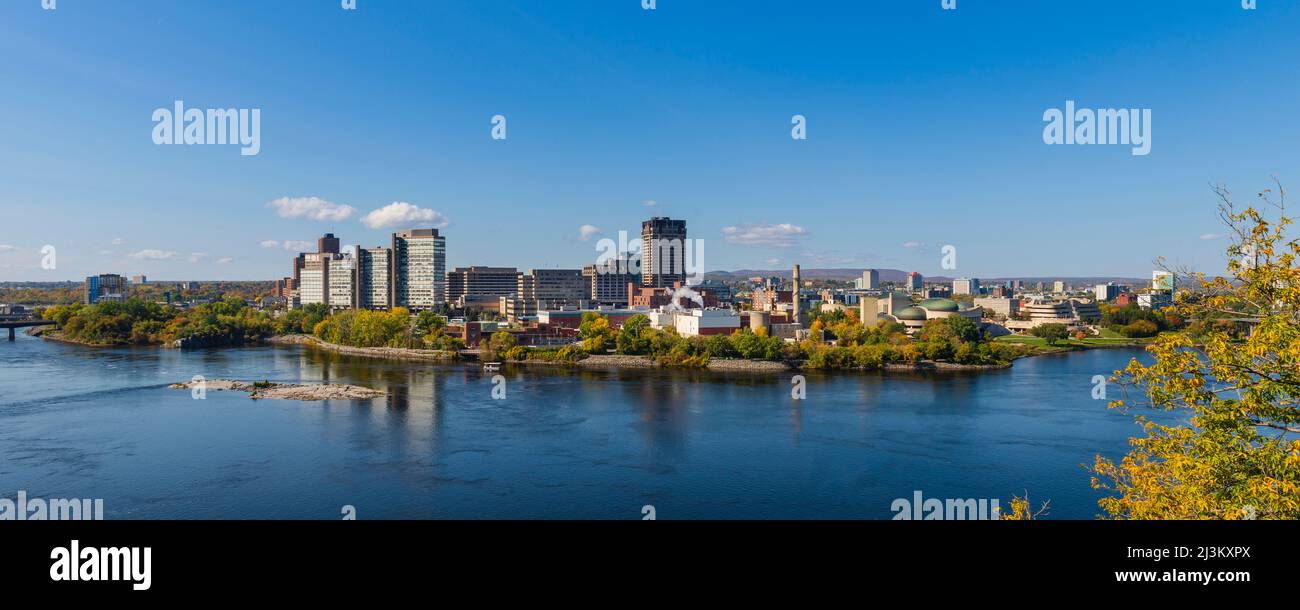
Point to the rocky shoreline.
(618, 361)
(284, 391)
(393, 353)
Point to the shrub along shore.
(838, 342)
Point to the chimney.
(794, 295)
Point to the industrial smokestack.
(794, 295)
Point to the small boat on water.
(491, 366)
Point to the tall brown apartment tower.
(328, 244)
(299, 262)
(663, 249)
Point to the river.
(81, 422)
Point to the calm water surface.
(101, 423)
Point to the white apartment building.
(342, 281)
(419, 269)
(374, 277)
(311, 284)
(966, 286)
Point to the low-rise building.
(1001, 306)
(1155, 300)
(704, 322)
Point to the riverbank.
(391, 353)
(283, 391)
(622, 361)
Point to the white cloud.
(400, 213)
(586, 232)
(649, 203)
(196, 257)
(8, 248)
(223, 260)
(1210, 236)
(772, 261)
(314, 208)
(288, 244)
(117, 241)
(152, 255)
(779, 235)
(912, 244)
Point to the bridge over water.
(15, 322)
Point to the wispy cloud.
(649, 203)
(912, 244)
(314, 208)
(152, 255)
(400, 213)
(8, 248)
(299, 246)
(1211, 236)
(778, 235)
(270, 243)
(223, 260)
(197, 257)
(586, 232)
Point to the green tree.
(500, 343)
(629, 340)
(1235, 454)
(1050, 332)
(595, 332)
(963, 329)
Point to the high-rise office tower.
(419, 269)
(476, 281)
(328, 244)
(870, 279)
(313, 279)
(375, 277)
(663, 249)
(342, 281)
(914, 281)
(106, 287)
(607, 280)
(966, 286)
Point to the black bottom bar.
(316, 559)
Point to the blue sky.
(924, 129)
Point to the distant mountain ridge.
(898, 276)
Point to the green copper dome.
(910, 313)
(939, 305)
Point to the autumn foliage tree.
(1234, 452)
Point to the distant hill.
(898, 276)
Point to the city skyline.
(646, 113)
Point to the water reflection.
(565, 442)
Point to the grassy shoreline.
(621, 361)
